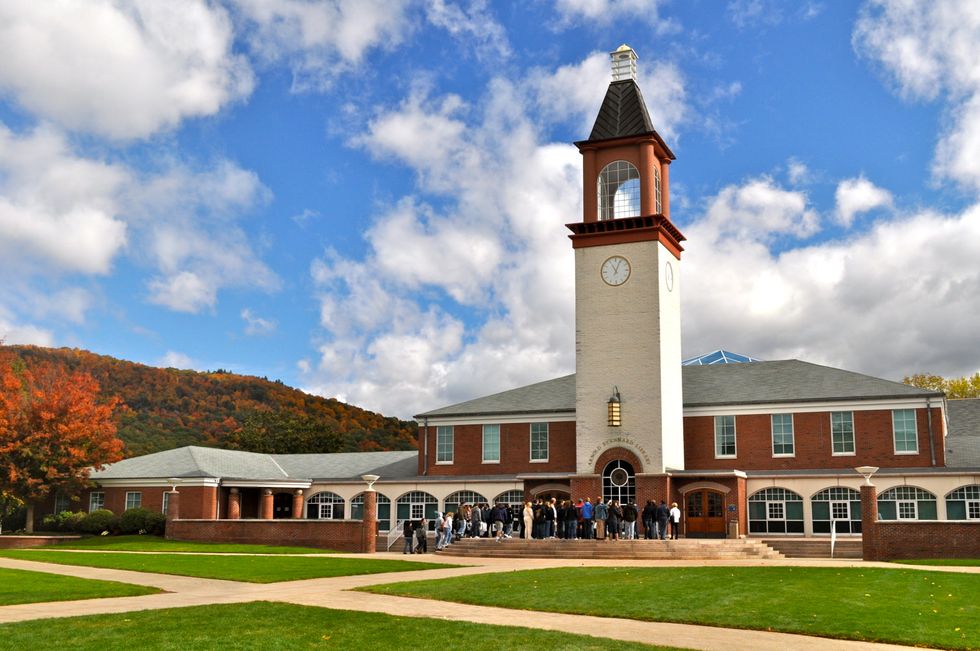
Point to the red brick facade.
(340, 535)
(515, 450)
(892, 540)
(873, 442)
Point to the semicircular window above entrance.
(619, 482)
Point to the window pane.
(782, 434)
(539, 441)
(842, 432)
(491, 442)
(903, 422)
(724, 436)
(444, 443)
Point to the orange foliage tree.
(53, 431)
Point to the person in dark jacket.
(550, 515)
(571, 520)
(613, 519)
(630, 515)
(422, 537)
(408, 531)
(663, 515)
(476, 515)
(649, 520)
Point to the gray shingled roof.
(623, 114)
(192, 462)
(717, 384)
(543, 397)
(963, 442)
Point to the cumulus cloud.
(321, 40)
(174, 359)
(122, 70)
(857, 196)
(473, 26)
(606, 12)
(929, 49)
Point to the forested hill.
(169, 408)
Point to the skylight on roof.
(718, 357)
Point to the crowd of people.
(547, 518)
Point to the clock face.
(669, 277)
(616, 270)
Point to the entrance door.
(282, 505)
(705, 514)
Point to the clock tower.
(628, 402)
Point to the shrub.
(64, 521)
(142, 521)
(98, 521)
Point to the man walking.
(663, 515)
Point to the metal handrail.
(394, 534)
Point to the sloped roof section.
(963, 442)
(623, 113)
(350, 465)
(786, 381)
(543, 397)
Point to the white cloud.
(12, 333)
(474, 27)
(757, 210)
(606, 12)
(122, 70)
(58, 211)
(929, 49)
(797, 172)
(859, 195)
(869, 303)
(183, 291)
(256, 325)
(174, 359)
(321, 40)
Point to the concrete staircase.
(816, 547)
(683, 549)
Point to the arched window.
(618, 482)
(775, 510)
(964, 503)
(839, 505)
(415, 505)
(384, 510)
(457, 499)
(906, 503)
(325, 506)
(512, 497)
(619, 191)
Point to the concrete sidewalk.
(337, 592)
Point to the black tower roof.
(624, 114)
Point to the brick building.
(745, 448)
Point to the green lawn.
(23, 587)
(264, 625)
(952, 562)
(254, 569)
(158, 544)
(903, 606)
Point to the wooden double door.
(705, 510)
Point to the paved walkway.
(336, 593)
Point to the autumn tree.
(954, 388)
(280, 432)
(53, 431)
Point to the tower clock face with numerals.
(615, 270)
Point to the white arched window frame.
(619, 190)
(325, 506)
(906, 503)
(776, 510)
(964, 503)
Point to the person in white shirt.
(675, 520)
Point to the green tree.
(280, 432)
(954, 388)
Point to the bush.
(98, 521)
(142, 521)
(64, 521)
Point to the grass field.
(904, 606)
(948, 562)
(283, 626)
(253, 569)
(158, 544)
(23, 587)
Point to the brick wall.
(515, 450)
(23, 542)
(873, 442)
(892, 540)
(340, 535)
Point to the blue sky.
(367, 199)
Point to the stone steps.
(816, 547)
(684, 549)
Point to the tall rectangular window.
(444, 444)
(903, 427)
(782, 435)
(491, 443)
(842, 432)
(539, 441)
(61, 503)
(724, 436)
(96, 501)
(134, 500)
(166, 501)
